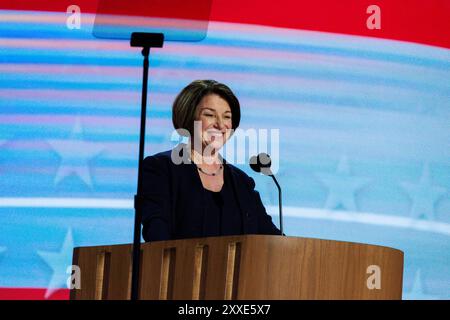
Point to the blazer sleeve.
(156, 213)
(265, 224)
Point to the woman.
(203, 196)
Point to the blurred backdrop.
(364, 134)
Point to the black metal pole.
(145, 40)
(279, 203)
(137, 199)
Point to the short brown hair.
(186, 103)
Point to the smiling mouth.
(215, 135)
(214, 138)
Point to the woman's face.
(216, 121)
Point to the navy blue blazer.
(174, 203)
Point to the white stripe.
(364, 218)
(295, 212)
(67, 203)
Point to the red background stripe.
(32, 294)
(423, 21)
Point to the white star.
(423, 195)
(342, 186)
(75, 155)
(417, 292)
(59, 262)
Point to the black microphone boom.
(261, 163)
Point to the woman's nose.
(219, 123)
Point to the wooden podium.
(249, 267)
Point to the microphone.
(261, 163)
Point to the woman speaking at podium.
(202, 195)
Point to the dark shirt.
(222, 212)
(176, 204)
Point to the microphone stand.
(146, 41)
(279, 203)
(261, 163)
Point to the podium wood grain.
(250, 267)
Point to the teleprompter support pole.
(146, 41)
